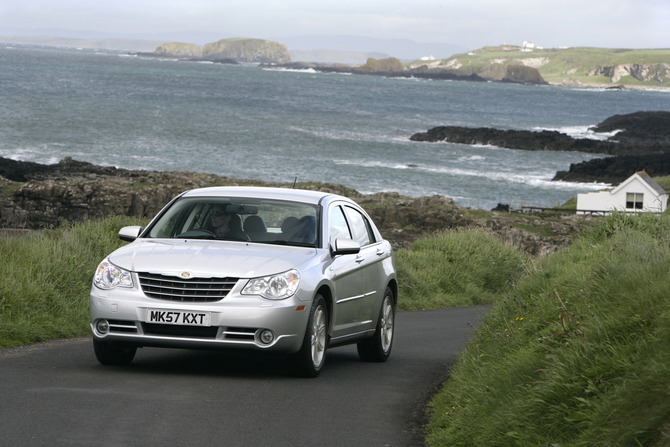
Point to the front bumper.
(236, 321)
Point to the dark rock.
(514, 139)
(639, 128)
(521, 74)
(502, 207)
(614, 170)
(643, 142)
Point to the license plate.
(180, 317)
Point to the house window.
(634, 201)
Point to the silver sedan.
(266, 269)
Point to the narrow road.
(56, 393)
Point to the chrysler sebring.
(267, 269)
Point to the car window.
(360, 227)
(255, 220)
(338, 227)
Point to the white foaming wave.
(471, 158)
(583, 132)
(375, 164)
(535, 180)
(292, 70)
(27, 154)
(349, 135)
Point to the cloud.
(474, 23)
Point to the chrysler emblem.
(185, 275)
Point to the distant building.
(527, 46)
(639, 193)
(428, 58)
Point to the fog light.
(102, 326)
(267, 336)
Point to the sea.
(250, 122)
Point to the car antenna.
(294, 181)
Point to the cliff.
(565, 66)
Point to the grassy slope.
(571, 64)
(578, 353)
(575, 352)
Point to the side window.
(337, 225)
(360, 227)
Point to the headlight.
(274, 287)
(109, 276)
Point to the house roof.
(644, 177)
(650, 181)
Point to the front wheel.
(312, 354)
(378, 347)
(112, 353)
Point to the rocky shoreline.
(35, 196)
(641, 142)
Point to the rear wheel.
(378, 347)
(113, 354)
(312, 354)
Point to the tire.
(378, 347)
(312, 354)
(112, 353)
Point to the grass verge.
(577, 354)
(47, 277)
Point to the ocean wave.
(292, 70)
(582, 132)
(538, 180)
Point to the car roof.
(262, 192)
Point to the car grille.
(180, 331)
(195, 290)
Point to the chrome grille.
(194, 290)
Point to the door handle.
(359, 259)
(379, 252)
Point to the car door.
(347, 275)
(370, 262)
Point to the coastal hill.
(579, 66)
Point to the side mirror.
(129, 234)
(344, 246)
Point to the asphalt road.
(56, 393)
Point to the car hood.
(207, 258)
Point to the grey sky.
(467, 23)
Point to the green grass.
(46, 277)
(568, 64)
(577, 354)
(576, 351)
(456, 268)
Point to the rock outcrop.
(227, 51)
(653, 73)
(35, 196)
(389, 66)
(179, 50)
(514, 139)
(247, 50)
(392, 67)
(641, 143)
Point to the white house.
(639, 193)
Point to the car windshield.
(257, 220)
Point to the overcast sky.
(467, 23)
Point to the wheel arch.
(327, 295)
